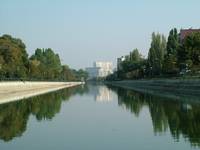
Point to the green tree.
(173, 42)
(189, 52)
(133, 66)
(67, 74)
(47, 63)
(13, 57)
(156, 54)
(35, 72)
(80, 74)
(135, 56)
(170, 65)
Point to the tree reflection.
(14, 116)
(13, 120)
(181, 118)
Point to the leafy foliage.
(171, 58)
(44, 64)
(170, 65)
(156, 54)
(13, 57)
(47, 63)
(189, 52)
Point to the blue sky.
(83, 31)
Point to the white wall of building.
(100, 69)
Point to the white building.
(100, 69)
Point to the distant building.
(186, 32)
(100, 69)
(105, 68)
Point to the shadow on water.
(181, 118)
(14, 116)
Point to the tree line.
(44, 64)
(169, 57)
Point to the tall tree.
(156, 54)
(170, 60)
(173, 42)
(135, 56)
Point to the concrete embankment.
(172, 88)
(12, 91)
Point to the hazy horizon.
(82, 32)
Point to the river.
(99, 117)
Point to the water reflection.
(101, 93)
(182, 119)
(179, 118)
(14, 116)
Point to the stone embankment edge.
(36, 90)
(172, 88)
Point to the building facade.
(186, 32)
(100, 69)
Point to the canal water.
(99, 117)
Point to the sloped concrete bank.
(12, 91)
(172, 88)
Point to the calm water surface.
(97, 117)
